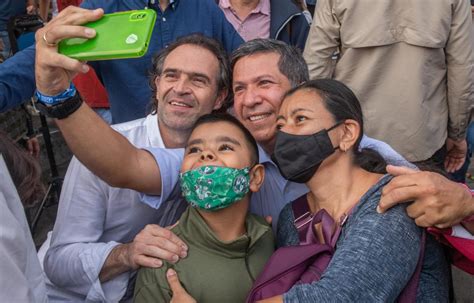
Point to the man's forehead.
(191, 58)
(256, 65)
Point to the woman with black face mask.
(373, 257)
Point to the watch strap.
(61, 110)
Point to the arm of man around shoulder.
(96, 145)
(437, 201)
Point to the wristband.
(61, 110)
(53, 100)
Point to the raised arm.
(104, 151)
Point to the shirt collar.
(153, 131)
(263, 6)
(173, 3)
(264, 157)
(224, 3)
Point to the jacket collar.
(281, 12)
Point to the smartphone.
(119, 36)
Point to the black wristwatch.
(61, 110)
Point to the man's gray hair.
(291, 63)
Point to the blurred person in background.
(282, 20)
(21, 278)
(8, 9)
(412, 68)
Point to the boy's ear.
(257, 175)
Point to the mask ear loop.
(333, 127)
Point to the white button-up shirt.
(92, 219)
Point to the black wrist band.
(61, 110)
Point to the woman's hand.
(179, 293)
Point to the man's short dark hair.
(210, 44)
(291, 63)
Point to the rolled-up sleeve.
(75, 258)
(460, 72)
(169, 161)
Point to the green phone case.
(119, 36)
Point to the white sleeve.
(169, 161)
(75, 258)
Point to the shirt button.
(164, 19)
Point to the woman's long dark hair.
(343, 104)
(24, 170)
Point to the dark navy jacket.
(126, 80)
(287, 23)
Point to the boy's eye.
(193, 150)
(225, 147)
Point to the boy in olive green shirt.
(228, 247)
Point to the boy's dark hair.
(24, 170)
(343, 104)
(224, 117)
(210, 44)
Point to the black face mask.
(299, 156)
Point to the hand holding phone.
(118, 36)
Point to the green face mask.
(214, 187)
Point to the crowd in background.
(321, 95)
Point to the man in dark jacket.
(276, 19)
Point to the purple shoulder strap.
(302, 215)
(305, 220)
